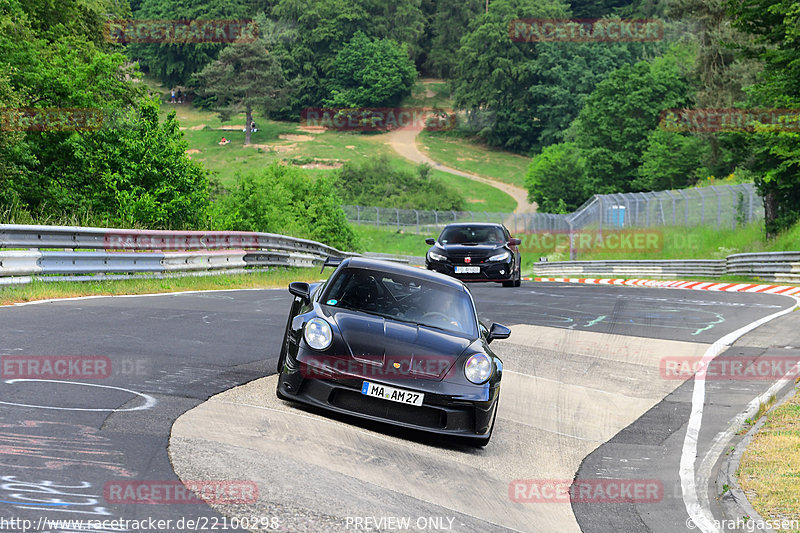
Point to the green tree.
(174, 63)
(446, 30)
(534, 89)
(284, 199)
(556, 179)
(321, 30)
(246, 76)
(613, 127)
(670, 161)
(371, 73)
(776, 152)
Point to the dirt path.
(404, 142)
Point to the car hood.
(474, 249)
(399, 349)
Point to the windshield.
(472, 235)
(403, 298)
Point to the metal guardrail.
(769, 266)
(639, 268)
(78, 252)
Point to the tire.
(278, 392)
(508, 283)
(518, 281)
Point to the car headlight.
(318, 334)
(433, 256)
(500, 257)
(478, 368)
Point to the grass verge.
(769, 472)
(673, 243)
(468, 156)
(44, 290)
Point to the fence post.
(358, 215)
(436, 217)
(735, 205)
(719, 204)
(454, 215)
(674, 218)
(602, 212)
(751, 194)
(417, 213)
(702, 206)
(686, 208)
(397, 212)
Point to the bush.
(283, 199)
(556, 179)
(376, 183)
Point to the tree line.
(589, 113)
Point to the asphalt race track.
(185, 383)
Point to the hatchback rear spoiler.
(331, 262)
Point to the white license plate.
(468, 270)
(390, 393)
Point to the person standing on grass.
(172, 100)
(180, 97)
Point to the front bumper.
(489, 271)
(448, 409)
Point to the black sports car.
(392, 343)
(476, 252)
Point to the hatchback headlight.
(318, 334)
(500, 257)
(433, 256)
(478, 368)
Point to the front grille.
(407, 414)
(458, 257)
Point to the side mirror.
(498, 331)
(300, 289)
(430, 241)
(515, 242)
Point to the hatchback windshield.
(472, 235)
(403, 298)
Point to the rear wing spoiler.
(331, 262)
